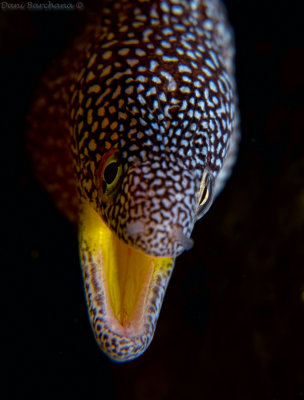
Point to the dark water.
(232, 324)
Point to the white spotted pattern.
(153, 81)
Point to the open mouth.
(124, 288)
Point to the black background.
(232, 324)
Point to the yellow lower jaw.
(124, 273)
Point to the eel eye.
(205, 195)
(111, 174)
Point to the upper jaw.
(157, 240)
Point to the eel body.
(133, 132)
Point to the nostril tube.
(182, 239)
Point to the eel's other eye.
(110, 174)
(205, 196)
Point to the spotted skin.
(152, 84)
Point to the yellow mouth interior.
(125, 273)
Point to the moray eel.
(133, 132)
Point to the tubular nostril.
(182, 239)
